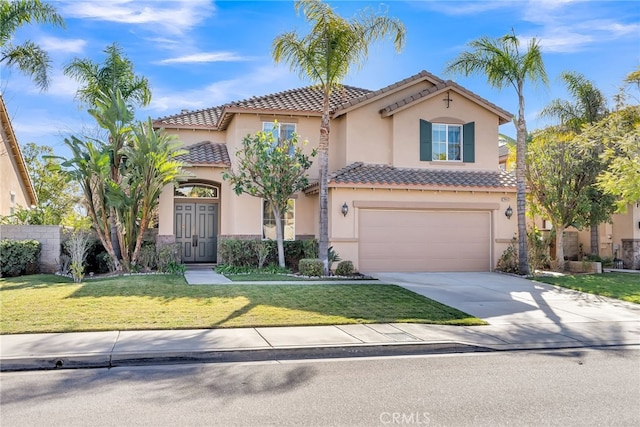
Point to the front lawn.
(45, 303)
(624, 286)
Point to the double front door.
(196, 230)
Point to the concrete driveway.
(514, 306)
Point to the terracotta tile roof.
(383, 175)
(422, 75)
(206, 153)
(303, 100)
(309, 100)
(441, 87)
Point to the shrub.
(168, 257)
(538, 246)
(345, 268)
(249, 253)
(148, 258)
(333, 257)
(237, 252)
(262, 249)
(104, 263)
(310, 267)
(508, 261)
(19, 257)
(78, 246)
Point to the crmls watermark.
(405, 418)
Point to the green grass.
(624, 286)
(45, 303)
(261, 277)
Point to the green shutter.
(425, 140)
(468, 143)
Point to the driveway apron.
(514, 306)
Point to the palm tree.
(116, 73)
(588, 106)
(504, 65)
(28, 57)
(325, 57)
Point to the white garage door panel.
(424, 241)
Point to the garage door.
(424, 240)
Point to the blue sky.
(202, 53)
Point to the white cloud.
(565, 26)
(458, 8)
(204, 57)
(174, 17)
(258, 82)
(68, 46)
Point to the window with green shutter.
(425, 140)
(447, 142)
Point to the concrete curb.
(116, 359)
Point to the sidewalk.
(522, 315)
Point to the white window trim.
(446, 125)
(295, 126)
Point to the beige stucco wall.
(406, 133)
(343, 231)
(10, 181)
(242, 215)
(369, 135)
(394, 140)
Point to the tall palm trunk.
(323, 156)
(523, 254)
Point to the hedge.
(18, 257)
(244, 253)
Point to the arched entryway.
(196, 220)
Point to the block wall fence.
(49, 236)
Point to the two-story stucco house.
(415, 183)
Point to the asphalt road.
(564, 388)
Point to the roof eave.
(380, 93)
(17, 154)
(503, 115)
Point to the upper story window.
(281, 131)
(446, 141)
(269, 222)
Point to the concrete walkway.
(522, 315)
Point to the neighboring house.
(506, 159)
(415, 183)
(620, 238)
(16, 188)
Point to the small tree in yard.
(78, 247)
(272, 170)
(562, 175)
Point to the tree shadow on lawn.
(359, 302)
(33, 281)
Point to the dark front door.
(196, 230)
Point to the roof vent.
(184, 111)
